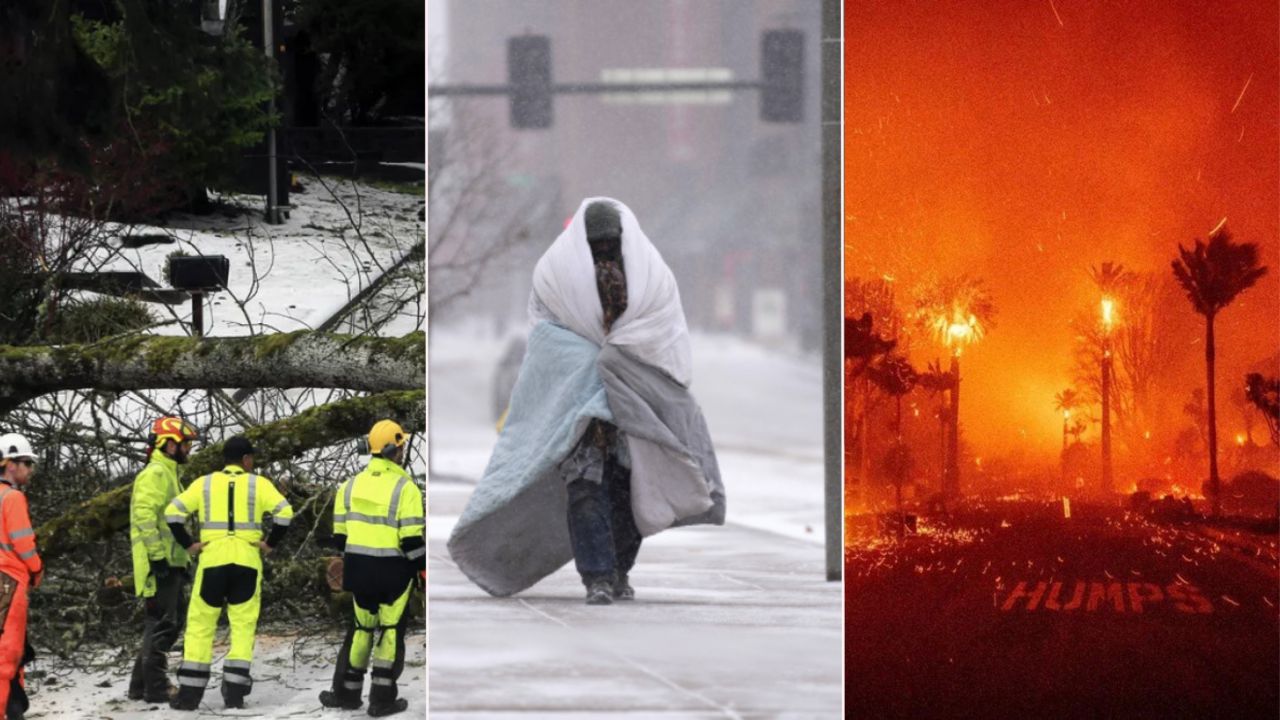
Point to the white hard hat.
(13, 445)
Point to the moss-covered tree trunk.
(286, 360)
(317, 427)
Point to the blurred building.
(732, 202)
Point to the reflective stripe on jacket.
(377, 508)
(230, 503)
(18, 555)
(153, 488)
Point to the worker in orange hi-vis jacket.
(20, 568)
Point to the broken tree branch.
(315, 428)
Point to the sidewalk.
(729, 622)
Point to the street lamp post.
(1066, 418)
(953, 445)
(213, 21)
(1108, 312)
(958, 334)
(273, 214)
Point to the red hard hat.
(171, 428)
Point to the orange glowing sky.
(1023, 141)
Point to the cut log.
(144, 362)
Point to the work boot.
(187, 698)
(17, 709)
(159, 695)
(346, 701)
(622, 589)
(137, 689)
(389, 707)
(233, 694)
(600, 592)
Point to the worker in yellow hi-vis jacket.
(159, 562)
(231, 504)
(379, 518)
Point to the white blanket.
(653, 328)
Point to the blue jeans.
(602, 528)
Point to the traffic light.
(529, 74)
(782, 76)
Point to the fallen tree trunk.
(98, 517)
(285, 360)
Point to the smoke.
(1000, 140)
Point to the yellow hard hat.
(386, 433)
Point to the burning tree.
(958, 312)
(1141, 341)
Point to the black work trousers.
(159, 632)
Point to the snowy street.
(733, 621)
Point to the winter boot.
(160, 695)
(188, 698)
(622, 589)
(137, 690)
(383, 701)
(233, 694)
(390, 707)
(338, 699)
(600, 592)
(18, 703)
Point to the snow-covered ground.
(293, 275)
(289, 672)
(735, 621)
(340, 237)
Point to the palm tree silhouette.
(959, 311)
(1065, 402)
(1212, 275)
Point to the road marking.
(1111, 594)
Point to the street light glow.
(1108, 312)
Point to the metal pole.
(944, 431)
(1063, 459)
(268, 46)
(1106, 417)
(197, 314)
(832, 285)
(953, 438)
